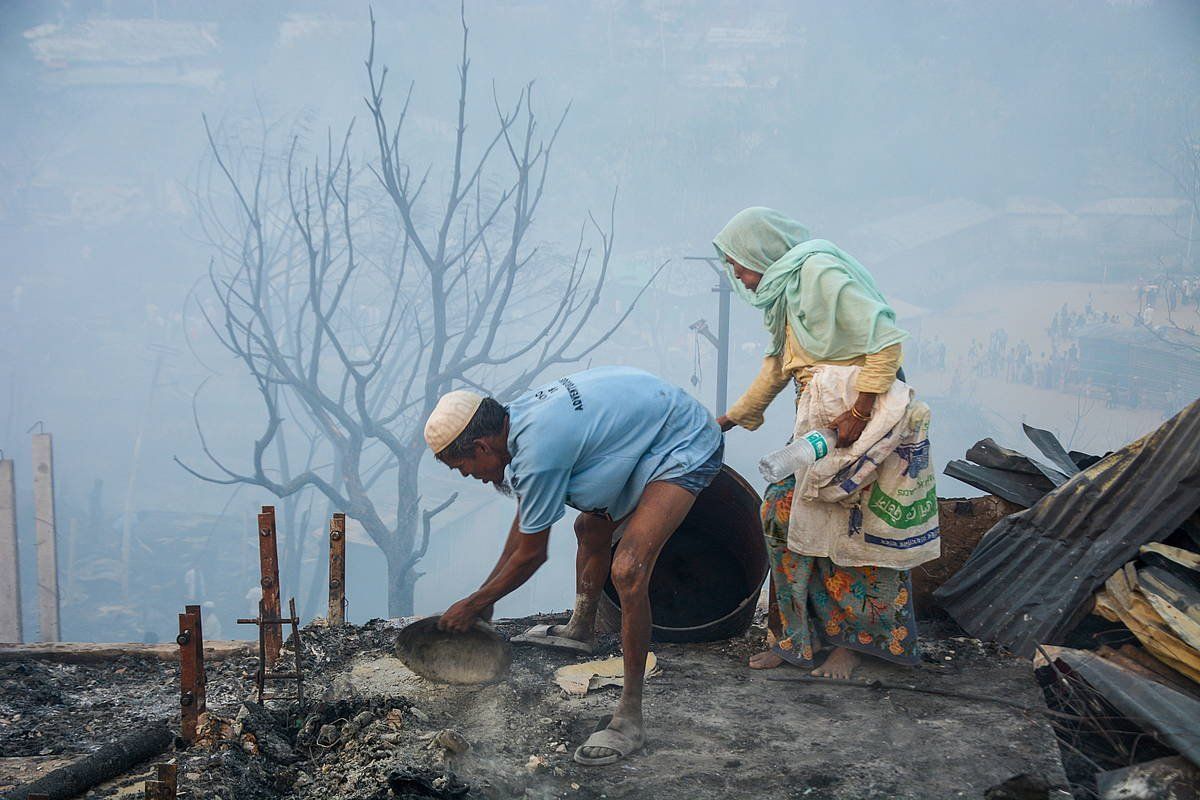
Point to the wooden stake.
(10, 571)
(337, 570)
(47, 553)
(169, 775)
(268, 561)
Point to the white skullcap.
(450, 417)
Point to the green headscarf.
(831, 302)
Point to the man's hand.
(726, 423)
(459, 617)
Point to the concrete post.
(47, 554)
(10, 570)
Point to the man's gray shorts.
(694, 481)
(699, 478)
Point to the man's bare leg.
(662, 507)
(593, 535)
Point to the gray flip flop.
(621, 744)
(540, 635)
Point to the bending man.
(627, 450)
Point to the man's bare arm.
(517, 565)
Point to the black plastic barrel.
(707, 579)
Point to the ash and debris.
(55, 709)
(373, 730)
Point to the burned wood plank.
(1184, 565)
(108, 762)
(168, 774)
(96, 652)
(1124, 602)
(1175, 608)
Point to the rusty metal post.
(299, 647)
(337, 570)
(197, 645)
(169, 774)
(157, 790)
(189, 691)
(262, 675)
(268, 559)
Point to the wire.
(877, 684)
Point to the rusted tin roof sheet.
(1033, 575)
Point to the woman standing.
(820, 306)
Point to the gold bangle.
(854, 413)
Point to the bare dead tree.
(353, 304)
(1183, 168)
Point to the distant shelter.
(1140, 365)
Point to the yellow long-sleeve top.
(877, 376)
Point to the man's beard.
(503, 487)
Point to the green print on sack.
(898, 515)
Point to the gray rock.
(328, 735)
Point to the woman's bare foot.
(840, 664)
(765, 660)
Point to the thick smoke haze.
(1022, 178)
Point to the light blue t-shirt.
(593, 440)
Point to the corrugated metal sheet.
(1032, 576)
(1173, 715)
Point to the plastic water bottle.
(801, 454)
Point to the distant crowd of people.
(1066, 324)
(1017, 364)
(1016, 361)
(1175, 294)
(927, 354)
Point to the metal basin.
(707, 579)
(479, 655)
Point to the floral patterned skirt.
(867, 609)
